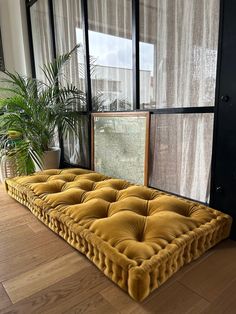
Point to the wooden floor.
(41, 273)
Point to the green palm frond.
(53, 70)
(15, 104)
(36, 110)
(16, 84)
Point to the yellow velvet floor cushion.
(136, 235)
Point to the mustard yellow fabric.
(136, 235)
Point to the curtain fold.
(180, 154)
(68, 32)
(67, 20)
(42, 40)
(181, 39)
(184, 36)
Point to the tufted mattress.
(137, 236)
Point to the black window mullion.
(51, 21)
(31, 45)
(84, 14)
(184, 110)
(135, 54)
(213, 191)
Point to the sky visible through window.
(114, 51)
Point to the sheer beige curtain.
(42, 41)
(181, 149)
(180, 37)
(67, 19)
(184, 35)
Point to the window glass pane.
(110, 40)
(41, 32)
(68, 33)
(178, 52)
(181, 149)
(76, 146)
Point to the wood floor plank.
(4, 299)
(13, 222)
(5, 198)
(118, 298)
(63, 295)
(175, 298)
(8, 212)
(22, 239)
(32, 258)
(225, 303)
(19, 231)
(188, 267)
(94, 305)
(43, 276)
(213, 275)
(37, 226)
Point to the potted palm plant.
(38, 111)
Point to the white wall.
(14, 36)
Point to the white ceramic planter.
(51, 158)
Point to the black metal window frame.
(136, 68)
